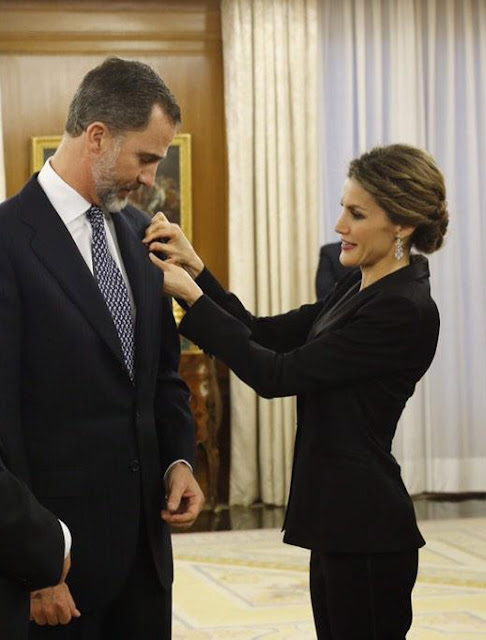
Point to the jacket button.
(134, 465)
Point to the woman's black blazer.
(352, 360)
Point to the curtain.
(270, 77)
(3, 186)
(414, 71)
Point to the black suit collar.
(347, 296)
(416, 270)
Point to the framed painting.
(42, 147)
(171, 192)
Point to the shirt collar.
(67, 202)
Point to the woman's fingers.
(159, 217)
(169, 239)
(157, 261)
(157, 232)
(160, 227)
(163, 247)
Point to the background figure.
(94, 414)
(353, 361)
(329, 269)
(31, 553)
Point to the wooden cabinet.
(199, 372)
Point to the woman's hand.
(174, 244)
(177, 282)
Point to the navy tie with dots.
(112, 286)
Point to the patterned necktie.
(112, 286)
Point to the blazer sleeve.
(176, 426)
(380, 339)
(31, 538)
(280, 333)
(32, 542)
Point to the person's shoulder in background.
(329, 269)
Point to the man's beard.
(107, 187)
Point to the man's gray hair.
(121, 94)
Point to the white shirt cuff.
(68, 540)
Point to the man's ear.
(97, 135)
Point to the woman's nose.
(340, 226)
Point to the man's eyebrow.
(150, 157)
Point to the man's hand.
(184, 497)
(53, 605)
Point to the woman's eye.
(356, 215)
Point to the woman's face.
(367, 235)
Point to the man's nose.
(147, 177)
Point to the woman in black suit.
(352, 360)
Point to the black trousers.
(141, 611)
(362, 597)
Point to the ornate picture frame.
(171, 192)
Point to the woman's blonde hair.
(408, 185)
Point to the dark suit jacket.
(329, 269)
(353, 361)
(31, 553)
(92, 445)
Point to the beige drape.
(270, 75)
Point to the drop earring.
(398, 249)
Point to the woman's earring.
(398, 249)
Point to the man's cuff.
(174, 463)
(68, 540)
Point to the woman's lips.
(347, 246)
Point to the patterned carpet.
(248, 585)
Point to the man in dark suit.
(31, 553)
(94, 414)
(329, 269)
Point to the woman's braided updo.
(408, 185)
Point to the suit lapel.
(56, 249)
(338, 304)
(145, 282)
